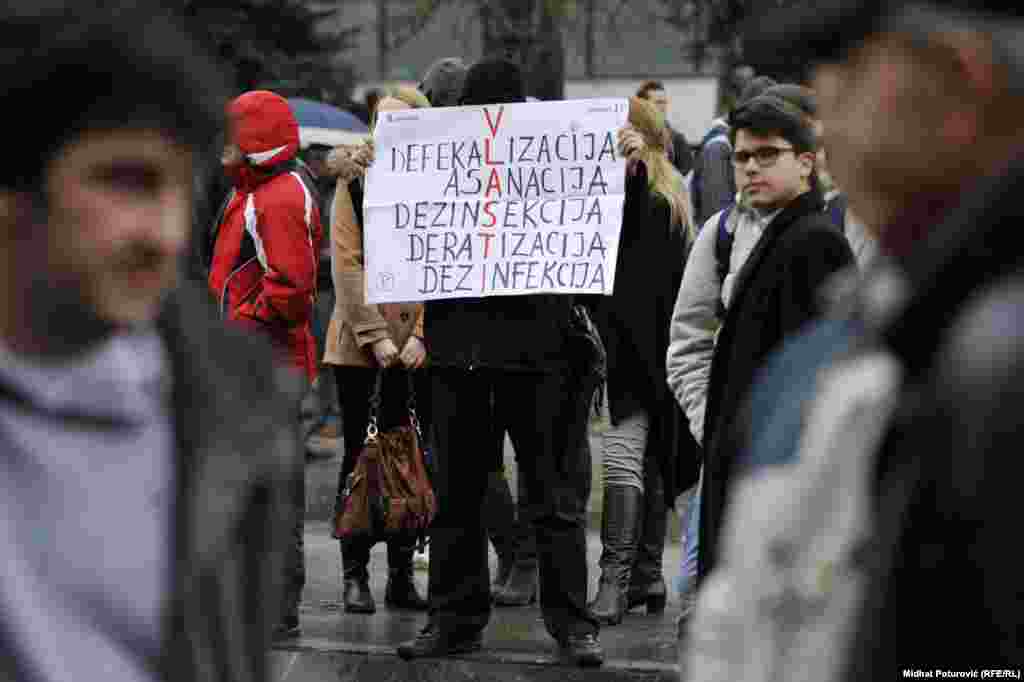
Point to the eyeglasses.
(766, 156)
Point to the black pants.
(355, 385)
(545, 430)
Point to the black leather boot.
(622, 505)
(355, 560)
(647, 580)
(400, 592)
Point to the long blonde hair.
(662, 177)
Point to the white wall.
(692, 101)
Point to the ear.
(976, 71)
(806, 161)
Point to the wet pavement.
(339, 646)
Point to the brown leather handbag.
(389, 491)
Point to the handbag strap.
(372, 427)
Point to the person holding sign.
(361, 339)
(649, 455)
(504, 360)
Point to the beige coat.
(356, 326)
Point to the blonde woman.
(648, 454)
(361, 339)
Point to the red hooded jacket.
(266, 244)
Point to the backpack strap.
(723, 243)
(723, 253)
(837, 211)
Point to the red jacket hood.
(264, 127)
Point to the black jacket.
(949, 470)
(237, 451)
(682, 155)
(775, 294)
(634, 325)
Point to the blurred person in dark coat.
(143, 526)
(904, 407)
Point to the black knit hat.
(494, 81)
(443, 82)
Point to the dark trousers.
(355, 385)
(510, 533)
(545, 429)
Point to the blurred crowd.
(814, 343)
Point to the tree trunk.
(530, 34)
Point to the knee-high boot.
(647, 582)
(622, 507)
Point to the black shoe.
(401, 593)
(287, 629)
(433, 642)
(609, 604)
(583, 651)
(653, 596)
(357, 596)
(521, 587)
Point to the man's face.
(883, 111)
(659, 99)
(774, 174)
(118, 218)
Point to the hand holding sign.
(500, 200)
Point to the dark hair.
(648, 87)
(797, 95)
(117, 66)
(443, 82)
(493, 80)
(754, 88)
(768, 115)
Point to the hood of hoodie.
(265, 130)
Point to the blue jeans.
(689, 542)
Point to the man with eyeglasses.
(776, 290)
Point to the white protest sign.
(495, 201)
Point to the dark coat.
(238, 453)
(634, 325)
(682, 155)
(775, 294)
(949, 469)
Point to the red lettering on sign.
(495, 124)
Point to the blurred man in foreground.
(892, 469)
(141, 525)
